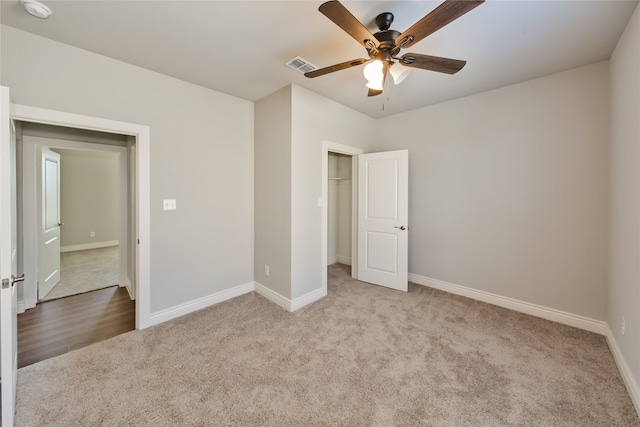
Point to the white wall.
(290, 127)
(273, 191)
(314, 119)
(201, 155)
(88, 197)
(624, 244)
(509, 190)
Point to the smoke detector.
(36, 8)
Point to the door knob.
(402, 227)
(6, 282)
(60, 224)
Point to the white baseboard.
(85, 246)
(625, 371)
(308, 299)
(286, 303)
(198, 304)
(272, 296)
(20, 308)
(580, 322)
(339, 259)
(343, 260)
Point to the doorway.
(95, 203)
(379, 215)
(89, 202)
(339, 209)
(138, 138)
(342, 176)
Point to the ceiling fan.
(384, 46)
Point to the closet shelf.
(335, 178)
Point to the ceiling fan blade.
(337, 67)
(373, 92)
(432, 63)
(447, 12)
(336, 12)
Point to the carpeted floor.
(84, 271)
(364, 355)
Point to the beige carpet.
(84, 271)
(364, 355)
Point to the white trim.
(339, 259)
(552, 314)
(343, 260)
(286, 303)
(625, 371)
(199, 304)
(334, 147)
(307, 299)
(20, 307)
(272, 296)
(143, 179)
(87, 246)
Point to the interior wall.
(273, 191)
(201, 155)
(624, 224)
(88, 197)
(508, 190)
(316, 119)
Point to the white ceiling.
(240, 47)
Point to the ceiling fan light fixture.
(374, 74)
(399, 73)
(375, 85)
(36, 8)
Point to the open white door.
(383, 212)
(8, 262)
(49, 221)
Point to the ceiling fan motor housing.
(387, 49)
(384, 20)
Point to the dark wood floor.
(56, 327)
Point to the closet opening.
(339, 208)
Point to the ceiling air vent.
(301, 65)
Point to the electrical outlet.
(266, 270)
(92, 234)
(169, 204)
(622, 326)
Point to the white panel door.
(8, 262)
(49, 275)
(383, 211)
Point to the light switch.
(169, 204)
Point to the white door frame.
(30, 204)
(143, 202)
(334, 147)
